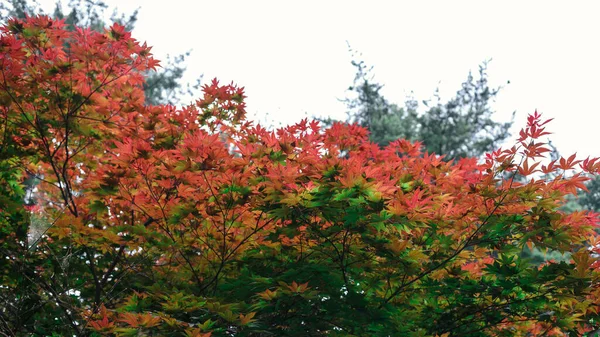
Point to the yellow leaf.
(298, 288)
(245, 319)
(417, 255)
(397, 246)
(268, 294)
(195, 332)
(480, 252)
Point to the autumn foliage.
(159, 221)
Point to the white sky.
(294, 62)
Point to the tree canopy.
(459, 128)
(163, 86)
(195, 221)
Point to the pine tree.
(460, 127)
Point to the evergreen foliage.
(459, 128)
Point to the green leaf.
(99, 207)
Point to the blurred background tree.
(369, 108)
(591, 200)
(464, 126)
(461, 127)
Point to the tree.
(385, 121)
(591, 200)
(161, 87)
(196, 222)
(462, 127)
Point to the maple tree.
(197, 222)
(160, 87)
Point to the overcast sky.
(293, 58)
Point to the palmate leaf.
(97, 206)
(344, 194)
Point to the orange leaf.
(246, 319)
